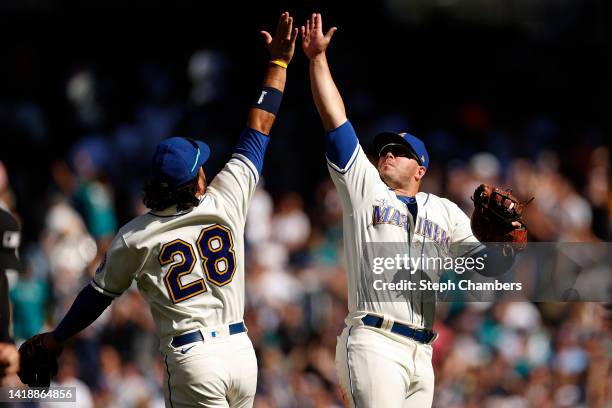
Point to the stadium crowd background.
(512, 93)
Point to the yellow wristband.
(279, 63)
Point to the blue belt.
(192, 337)
(424, 336)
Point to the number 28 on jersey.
(215, 248)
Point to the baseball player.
(383, 356)
(187, 258)
(9, 260)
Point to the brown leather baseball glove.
(497, 218)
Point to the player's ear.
(420, 173)
(201, 184)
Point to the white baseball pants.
(377, 371)
(220, 372)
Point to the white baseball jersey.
(189, 266)
(372, 213)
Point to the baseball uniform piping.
(243, 159)
(348, 166)
(96, 284)
(348, 364)
(421, 272)
(169, 388)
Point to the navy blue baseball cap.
(176, 160)
(412, 143)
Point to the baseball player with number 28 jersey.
(187, 257)
(383, 356)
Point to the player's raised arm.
(324, 91)
(281, 48)
(349, 167)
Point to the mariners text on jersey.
(386, 214)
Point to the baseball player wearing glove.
(383, 356)
(187, 256)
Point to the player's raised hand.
(313, 40)
(282, 45)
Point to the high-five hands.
(313, 41)
(282, 46)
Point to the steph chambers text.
(465, 285)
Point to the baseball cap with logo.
(11, 237)
(176, 160)
(412, 143)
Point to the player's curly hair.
(158, 197)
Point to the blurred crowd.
(488, 355)
(88, 183)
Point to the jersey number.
(216, 249)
